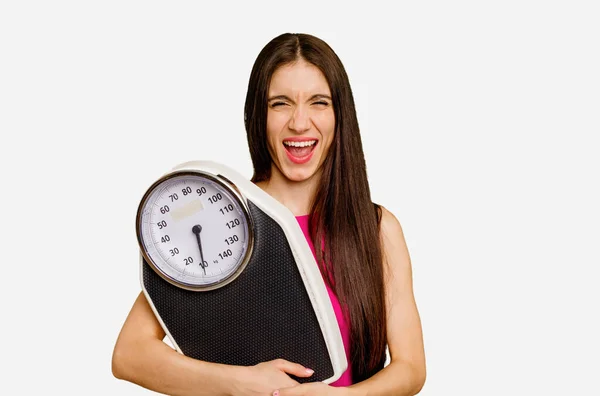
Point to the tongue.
(299, 151)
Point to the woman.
(307, 153)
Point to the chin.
(298, 175)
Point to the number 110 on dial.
(194, 230)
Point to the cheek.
(276, 121)
(271, 144)
(273, 128)
(326, 124)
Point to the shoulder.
(389, 227)
(393, 244)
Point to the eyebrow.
(284, 97)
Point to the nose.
(300, 120)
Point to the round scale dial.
(194, 230)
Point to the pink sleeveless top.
(346, 378)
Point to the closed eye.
(276, 104)
(321, 103)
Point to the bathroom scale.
(230, 276)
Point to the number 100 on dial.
(194, 230)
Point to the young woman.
(307, 153)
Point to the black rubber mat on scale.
(262, 315)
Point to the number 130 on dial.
(194, 230)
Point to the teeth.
(300, 144)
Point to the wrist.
(234, 380)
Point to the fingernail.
(276, 393)
(309, 371)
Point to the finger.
(293, 368)
(292, 391)
(298, 390)
(290, 384)
(311, 388)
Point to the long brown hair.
(343, 215)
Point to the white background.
(479, 122)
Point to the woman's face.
(300, 120)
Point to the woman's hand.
(310, 389)
(264, 378)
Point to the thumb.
(293, 368)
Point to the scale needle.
(196, 230)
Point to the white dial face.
(194, 231)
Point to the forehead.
(298, 77)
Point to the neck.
(295, 195)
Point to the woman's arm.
(406, 373)
(140, 356)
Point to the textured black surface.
(263, 315)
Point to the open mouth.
(300, 151)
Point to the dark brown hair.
(343, 215)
